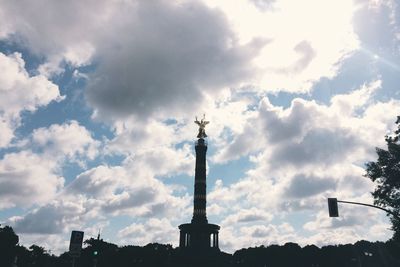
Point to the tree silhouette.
(385, 172)
(38, 255)
(362, 253)
(99, 251)
(8, 244)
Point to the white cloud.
(76, 25)
(235, 237)
(304, 154)
(68, 140)
(308, 132)
(349, 104)
(99, 182)
(184, 51)
(153, 230)
(303, 186)
(99, 194)
(145, 196)
(380, 35)
(6, 133)
(184, 68)
(51, 224)
(150, 75)
(135, 136)
(20, 92)
(54, 243)
(307, 41)
(51, 218)
(27, 179)
(350, 227)
(264, 5)
(128, 190)
(247, 216)
(167, 161)
(189, 59)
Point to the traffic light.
(333, 207)
(95, 253)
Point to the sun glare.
(380, 58)
(322, 29)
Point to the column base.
(199, 236)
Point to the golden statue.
(202, 125)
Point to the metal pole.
(373, 206)
(73, 261)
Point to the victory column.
(199, 236)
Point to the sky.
(98, 99)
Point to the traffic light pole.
(369, 205)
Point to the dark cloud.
(148, 56)
(252, 218)
(277, 128)
(293, 135)
(307, 55)
(243, 144)
(27, 184)
(298, 139)
(96, 182)
(52, 27)
(318, 147)
(378, 34)
(11, 184)
(158, 209)
(48, 219)
(260, 232)
(350, 220)
(302, 186)
(165, 58)
(270, 126)
(136, 198)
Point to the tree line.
(99, 253)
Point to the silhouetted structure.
(104, 254)
(199, 236)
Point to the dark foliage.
(8, 243)
(100, 253)
(385, 172)
(362, 253)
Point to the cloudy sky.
(98, 98)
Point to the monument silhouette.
(199, 237)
